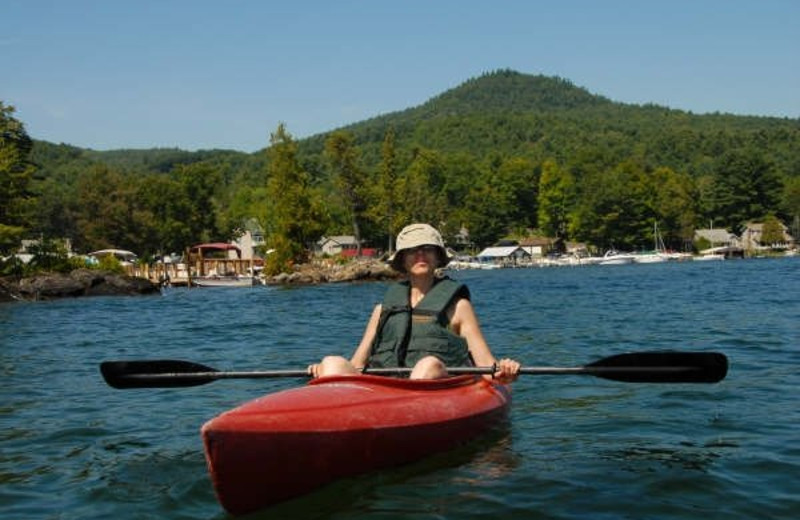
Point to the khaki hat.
(415, 235)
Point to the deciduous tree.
(772, 231)
(613, 211)
(199, 183)
(16, 171)
(343, 158)
(674, 205)
(745, 187)
(556, 198)
(385, 193)
(790, 200)
(419, 190)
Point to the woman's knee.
(335, 365)
(429, 367)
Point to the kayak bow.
(289, 443)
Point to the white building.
(336, 245)
(250, 240)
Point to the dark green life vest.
(406, 335)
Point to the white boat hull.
(224, 281)
(615, 258)
(650, 259)
(709, 258)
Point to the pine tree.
(293, 221)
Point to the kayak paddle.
(636, 367)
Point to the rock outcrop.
(90, 282)
(81, 282)
(319, 272)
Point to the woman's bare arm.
(361, 355)
(465, 323)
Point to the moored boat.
(658, 254)
(616, 258)
(225, 281)
(654, 257)
(289, 443)
(710, 257)
(220, 264)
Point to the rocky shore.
(321, 272)
(89, 282)
(81, 282)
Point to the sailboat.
(658, 254)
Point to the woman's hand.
(332, 366)
(313, 370)
(507, 371)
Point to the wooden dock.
(181, 274)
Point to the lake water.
(575, 448)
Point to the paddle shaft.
(404, 371)
(642, 367)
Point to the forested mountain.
(540, 117)
(503, 154)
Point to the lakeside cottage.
(752, 238)
(537, 247)
(335, 245)
(250, 240)
(724, 242)
(717, 237)
(505, 255)
(342, 245)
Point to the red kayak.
(286, 444)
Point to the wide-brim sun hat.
(416, 235)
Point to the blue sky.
(222, 74)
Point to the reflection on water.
(449, 476)
(496, 461)
(446, 484)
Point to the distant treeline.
(503, 155)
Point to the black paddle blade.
(160, 373)
(662, 367)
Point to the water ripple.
(577, 447)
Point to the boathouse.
(504, 255)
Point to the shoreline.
(319, 272)
(89, 282)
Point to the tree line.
(546, 158)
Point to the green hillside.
(501, 155)
(510, 113)
(541, 117)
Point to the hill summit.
(508, 90)
(499, 92)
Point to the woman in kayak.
(426, 322)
